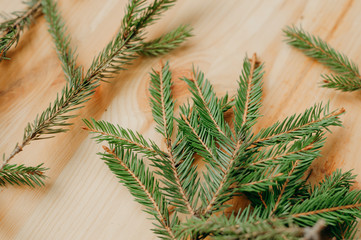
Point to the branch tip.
(107, 149)
(340, 111)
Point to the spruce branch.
(313, 119)
(293, 162)
(339, 203)
(120, 51)
(163, 109)
(267, 157)
(240, 227)
(247, 224)
(162, 103)
(245, 109)
(284, 185)
(57, 30)
(268, 167)
(125, 137)
(197, 135)
(141, 183)
(347, 76)
(205, 98)
(11, 29)
(166, 42)
(248, 103)
(20, 174)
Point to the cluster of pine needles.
(269, 168)
(128, 44)
(346, 76)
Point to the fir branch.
(205, 100)
(20, 174)
(268, 167)
(332, 214)
(338, 202)
(245, 108)
(162, 105)
(278, 157)
(125, 137)
(143, 186)
(152, 12)
(244, 226)
(210, 113)
(166, 42)
(11, 29)
(312, 120)
(284, 185)
(348, 77)
(335, 182)
(198, 136)
(248, 99)
(79, 89)
(294, 166)
(57, 30)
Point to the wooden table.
(82, 199)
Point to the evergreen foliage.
(19, 174)
(347, 77)
(270, 167)
(127, 45)
(11, 29)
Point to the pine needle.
(347, 76)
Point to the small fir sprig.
(20, 174)
(247, 225)
(11, 29)
(268, 167)
(347, 77)
(127, 45)
(167, 42)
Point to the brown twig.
(249, 87)
(284, 187)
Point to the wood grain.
(82, 199)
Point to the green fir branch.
(248, 100)
(166, 42)
(57, 30)
(22, 175)
(11, 29)
(269, 168)
(347, 76)
(126, 137)
(120, 51)
(162, 105)
(246, 113)
(240, 227)
(206, 103)
(133, 173)
(312, 120)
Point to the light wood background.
(82, 199)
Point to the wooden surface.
(82, 199)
